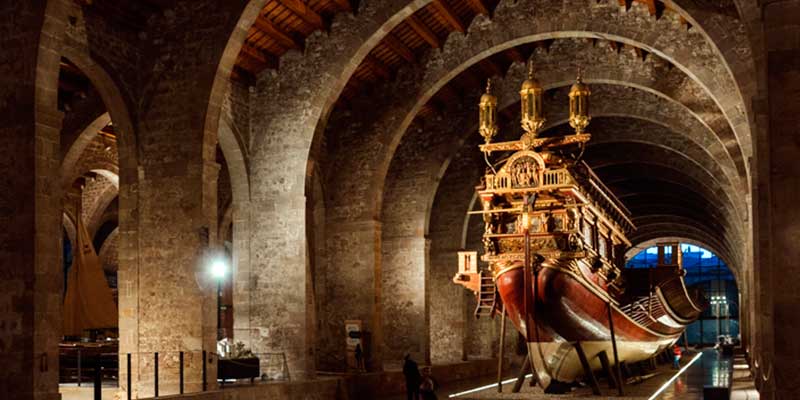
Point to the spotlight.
(219, 269)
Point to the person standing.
(427, 388)
(676, 352)
(413, 378)
(359, 355)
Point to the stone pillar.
(30, 201)
(782, 36)
(448, 310)
(404, 280)
(167, 300)
(278, 301)
(241, 272)
(353, 289)
(278, 290)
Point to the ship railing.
(547, 179)
(612, 202)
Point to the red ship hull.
(570, 306)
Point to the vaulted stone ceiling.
(665, 100)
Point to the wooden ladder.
(487, 296)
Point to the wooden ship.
(553, 253)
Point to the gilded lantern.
(579, 106)
(532, 115)
(488, 114)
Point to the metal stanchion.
(180, 359)
(155, 377)
(79, 368)
(205, 373)
(98, 380)
(129, 389)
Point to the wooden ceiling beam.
(476, 83)
(449, 94)
(423, 31)
(449, 15)
(616, 46)
(240, 74)
(516, 55)
(268, 60)
(344, 5)
(651, 6)
(479, 7)
(304, 12)
(72, 86)
(284, 39)
(491, 67)
(400, 48)
(378, 67)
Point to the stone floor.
(71, 391)
(688, 385)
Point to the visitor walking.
(676, 352)
(427, 388)
(413, 379)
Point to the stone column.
(278, 290)
(241, 272)
(353, 289)
(171, 285)
(405, 280)
(782, 35)
(448, 324)
(30, 201)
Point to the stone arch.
(282, 155)
(447, 70)
(410, 178)
(237, 218)
(78, 52)
(650, 222)
(92, 215)
(679, 228)
(597, 161)
(109, 246)
(687, 166)
(347, 210)
(77, 147)
(700, 242)
(484, 42)
(69, 225)
(117, 113)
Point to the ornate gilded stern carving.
(542, 194)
